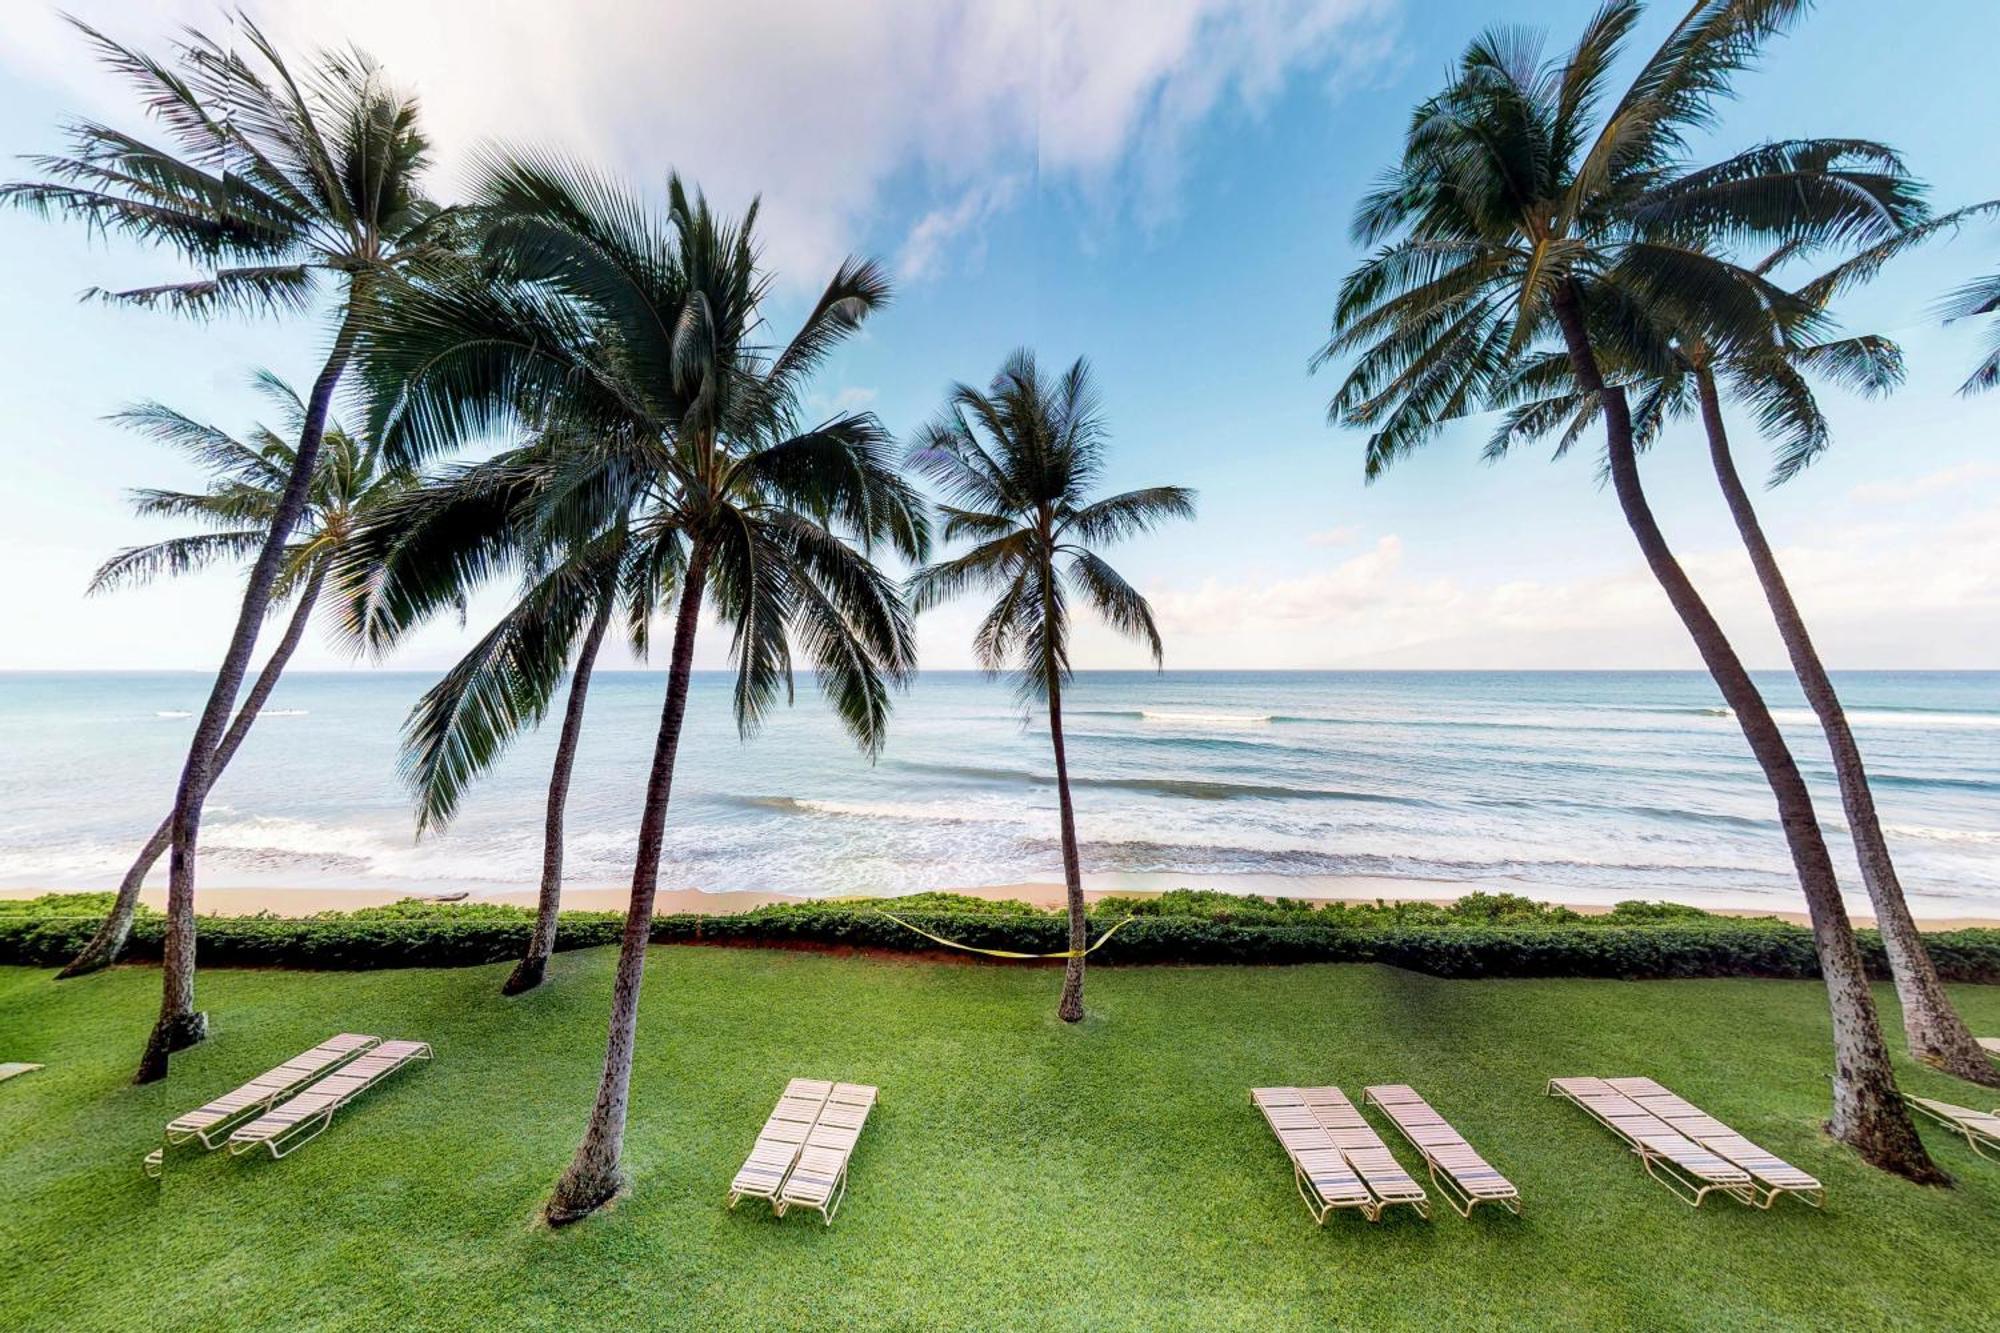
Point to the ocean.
(1567, 786)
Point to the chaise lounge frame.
(818, 1180)
(1463, 1178)
(300, 1119)
(1980, 1131)
(1320, 1171)
(1689, 1171)
(778, 1144)
(214, 1122)
(1770, 1174)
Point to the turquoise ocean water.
(1587, 787)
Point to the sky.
(1163, 186)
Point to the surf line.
(1008, 953)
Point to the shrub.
(1496, 938)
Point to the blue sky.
(1164, 187)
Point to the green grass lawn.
(1017, 1173)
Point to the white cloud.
(824, 108)
(1345, 535)
(852, 398)
(1912, 595)
(923, 250)
(1917, 488)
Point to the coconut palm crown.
(1017, 465)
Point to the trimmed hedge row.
(430, 935)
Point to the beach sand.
(612, 898)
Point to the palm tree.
(1773, 383)
(248, 482)
(425, 553)
(1524, 210)
(269, 184)
(1023, 496)
(634, 337)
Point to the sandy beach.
(612, 898)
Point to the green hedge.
(1482, 936)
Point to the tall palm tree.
(1022, 494)
(271, 184)
(426, 553)
(635, 336)
(1524, 209)
(1773, 382)
(248, 480)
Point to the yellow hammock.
(1006, 953)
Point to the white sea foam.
(1931, 833)
(286, 712)
(1206, 719)
(173, 712)
(1911, 720)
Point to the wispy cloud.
(1907, 594)
(923, 250)
(822, 108)
(1344, 535)
(1917, 488)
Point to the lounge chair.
(1320, 1171)
(1991, 1045)
(1462, 1176)
(1365, 1152)
(818, 1180)
(212, 1123)
(304, 1117)
(1770, 1175)
(1980, 1130)
(779, 1141)
(13, 1067)
(1689, 1171)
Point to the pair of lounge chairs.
(800, 1157)
(291, 1103)
(1688, 1151)
(1339, 1161)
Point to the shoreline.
(306, 901)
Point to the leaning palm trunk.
(593, 1175)
(527, 974)
(109, 941)
(1868, 1111)
(1070, 1010)
(1936, 1033)
(179, 1025)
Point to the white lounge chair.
(818, 1180)
(778, 1143)
(1980, 1130)
(1461, 1175)
(1770, 1175)
(1365, 1152)
(212, 1123)
(13, 1067)
(1689, 1171)
(304, 1117)
(1319, 1170)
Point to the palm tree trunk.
(527, 974)
(109, 941)
(1868, 1112)
(1070, 1010)
(179, 1025)
(1936, 1033)
(593, 1176)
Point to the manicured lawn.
(1016, 1174)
